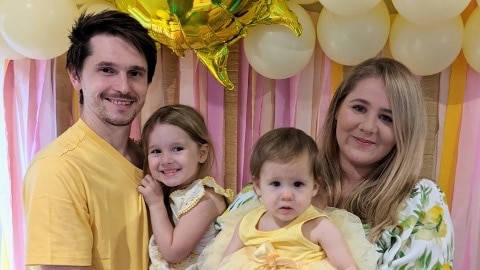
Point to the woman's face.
(364, 128)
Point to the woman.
(371, 151)
(371, 154)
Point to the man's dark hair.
(113, 23)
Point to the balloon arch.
(279, 36)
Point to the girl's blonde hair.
(377, 199)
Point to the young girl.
(286, 231)
(182, 198)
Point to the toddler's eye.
(298, 184)
(275, 184)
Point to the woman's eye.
(359, 108)
(386, 119)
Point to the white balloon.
(429, 12)
(426, 50)
(8, 53)
(38, 29)
(471, 40)
(275, 52)
(349, 40)
(349, 7)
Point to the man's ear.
(75, 79)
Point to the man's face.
(114, 82)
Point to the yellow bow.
(268, 258)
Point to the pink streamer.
(325, 94)
(294, 84)
(244, 121)
(282, 103)
(465, 209)
(15, 170)
(216, 123)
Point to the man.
(82, 207)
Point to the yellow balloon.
(349, 7)
(471, 40)
(207, 27)
(95, 6)
(426, 50)
(277, 53)
(303, 2)
(38, 29)
(349, 40)
(429, 12)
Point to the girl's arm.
(235, 243)
(176, 243)
(329, 237)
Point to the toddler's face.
(286, 189)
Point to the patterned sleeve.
(423, 238)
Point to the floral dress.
(422, 238)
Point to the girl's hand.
(152, 191)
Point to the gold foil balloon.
(207, 27)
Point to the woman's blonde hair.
(377, 199)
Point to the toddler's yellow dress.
(284, 248)
(362, 250)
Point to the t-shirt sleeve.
(58, 230)
(423, 238)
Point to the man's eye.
(106, 70)
(136, 73)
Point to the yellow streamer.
(453, 118)
(337, 76)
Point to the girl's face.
(286, 189)
(173, 157)
(365, 133)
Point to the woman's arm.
(423, 237)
